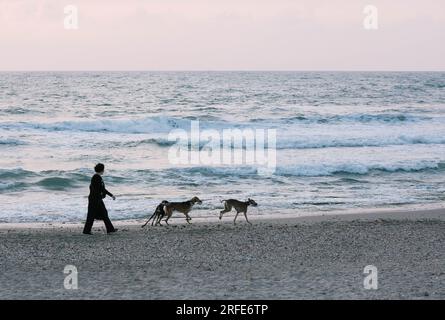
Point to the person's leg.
(109, 225)
(88, 224)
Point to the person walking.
(96, 206)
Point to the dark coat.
(96, 206)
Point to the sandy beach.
(288, 258)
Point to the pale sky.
(222, 35)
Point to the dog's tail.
(223, 201)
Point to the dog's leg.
(187, 218)
(226, 209)
(245, 214)
(144, 224)
(158, 221)
(160, 216)
(221, 213)
(155, 219)
(168, 213)
(149, 220)
(236, 216)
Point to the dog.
(158, 214)
(240, 206)
(184, 207)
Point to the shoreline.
(365, 214)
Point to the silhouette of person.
(96, 206)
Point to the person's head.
(99, 168)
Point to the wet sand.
(287, 258)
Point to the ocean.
(345, 141)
